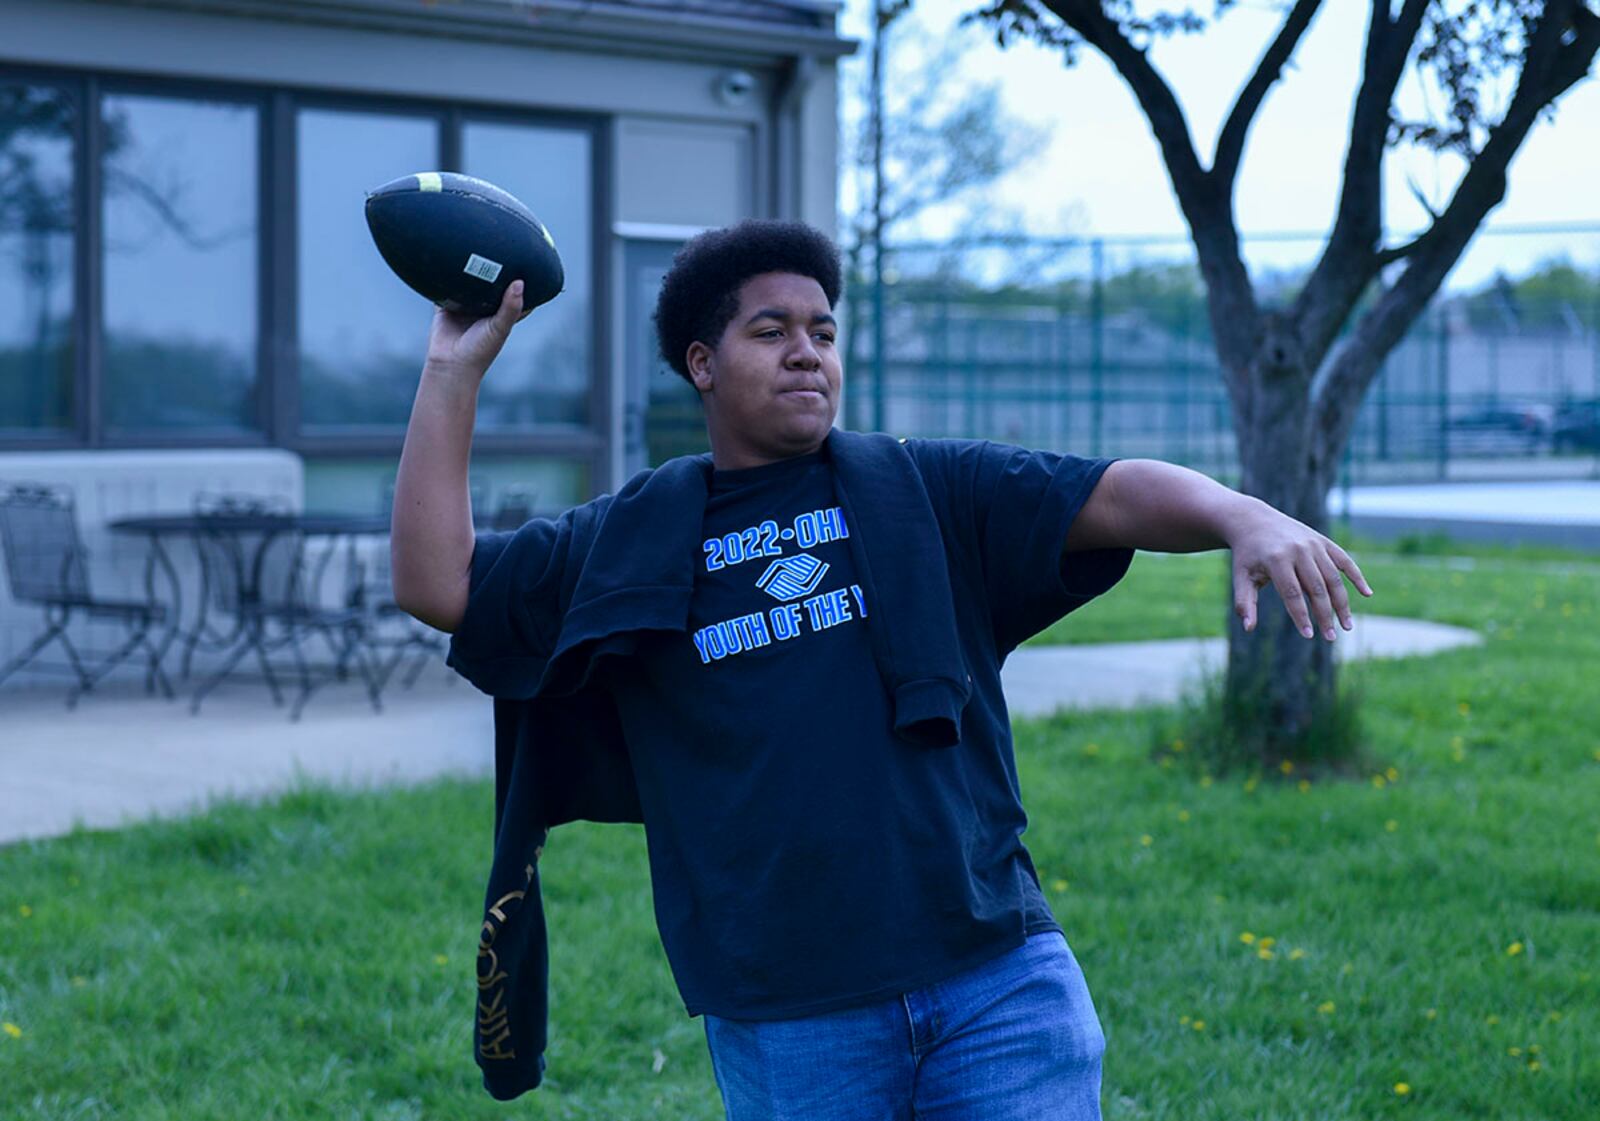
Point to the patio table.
(264, 528)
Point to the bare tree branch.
(1560, 51)
(1231, 300)
(1155, 96)
(1350, 261)
(1230, 141)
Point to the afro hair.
(700, 293)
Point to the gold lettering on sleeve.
(494, 1015)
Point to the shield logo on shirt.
(792, 577)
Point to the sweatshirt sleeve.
(519, 584)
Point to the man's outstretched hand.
(460, 343)
(1306, 568)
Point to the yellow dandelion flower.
(1514, 949)
(1326, 1008)
(1392, 774)
(25, 911)
(1268, 943)
(1183, 815)
(1535, 1066)
(1184, 1019)
(440, 959)
(1379, 782)
(1198, 1025)
(1146, 840)
(11, 1029)
(1391, 825)
(1250, 784)
(1264, 953)
(1286, 767)
(1058, 885)
(1431, 1014)
(1463, 708)
(1513, 1051)
(1296, 954)
(1402, 1088)
(1247, 938)
(1205, 781)
(79, 982)
(1304, 785)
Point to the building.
(189, 298)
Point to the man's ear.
(699, 362)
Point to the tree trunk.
(1278, 682)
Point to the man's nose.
(804, 354)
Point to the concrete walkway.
(121, 756)
(1038, 680)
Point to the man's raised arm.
(430, 537)
(1148, 504)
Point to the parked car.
(1500, 428)
(1576, 426)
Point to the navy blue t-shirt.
(804, 858)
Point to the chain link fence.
(1103, 346)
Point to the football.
(461, 241)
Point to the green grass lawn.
(1434, 927)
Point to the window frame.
(277, 405)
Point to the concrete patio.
(121, 756)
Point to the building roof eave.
(594, 25)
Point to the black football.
(460, 242)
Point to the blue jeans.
(1013, 1039)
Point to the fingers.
(510, 307)
(1315, 586)
(1286, 580)
(1348, 566)
(1335, 585)
(1244, 597)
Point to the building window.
(542, 376)
(363, 333)
(38, 231)
(188, 264)
(180, 266)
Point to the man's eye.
(824, 336)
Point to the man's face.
(771, 385)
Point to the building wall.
(681, 159)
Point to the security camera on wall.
(735, 87)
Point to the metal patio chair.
(47, 565)
(269, 592)
(392, 633)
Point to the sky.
(1101, 172)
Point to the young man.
(794, 647)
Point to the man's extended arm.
(431, 539)
(1147, 504)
